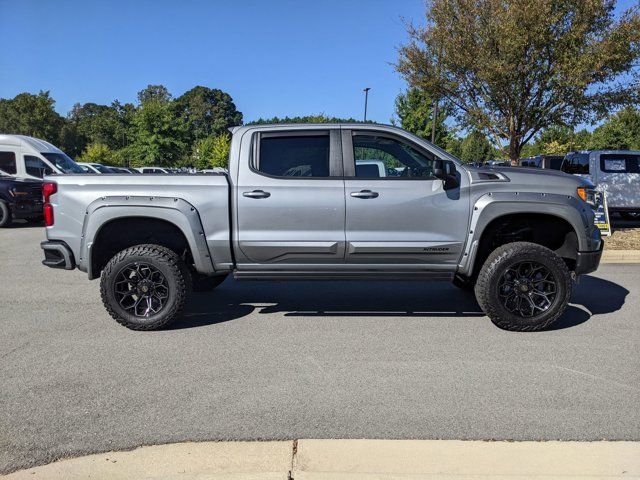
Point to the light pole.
(366, 99)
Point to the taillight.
(48, 189)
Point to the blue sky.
(275, 57)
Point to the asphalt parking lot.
(304, 360)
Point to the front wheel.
(145, 287)
(523, 286)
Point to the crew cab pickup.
(294, 206)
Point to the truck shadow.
(232, 300)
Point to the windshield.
(63, 162)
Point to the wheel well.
(121, 233)
(550, 231)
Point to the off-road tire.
(205, 283)
(5, 214)
(173, 269)
(495, 267)
(464, 283)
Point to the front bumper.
(57, 254)
(587, 262)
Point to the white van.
(615, 172)
(28, 157)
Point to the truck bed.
(77, 195)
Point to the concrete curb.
(620, 256)
(352, 460)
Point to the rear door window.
(620, 163)
(294, 156)
(8, 162)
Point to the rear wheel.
(523, 287)
(5, 214)
(145, 287)
(630, 215)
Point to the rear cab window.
(620, 163)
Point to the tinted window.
(8, 162)
(398, 159)
(295, 156)
(367, 170)
(620, 163)
(576, 163)
(555, 163)
(36, 167)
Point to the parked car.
(615, 172)
(96, 168)
(28, 157)
(153, 170)
(553, 162)
(371, 168)
(497, 163)
(294, 207)
(20, 198)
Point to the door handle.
(364, 194)
(256, 194)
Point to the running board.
(338, 276)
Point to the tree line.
(190, 130)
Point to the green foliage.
(32, 115)
(414, 109)
(476, 147)
(206, 112)
(620, 132)
(212, 152)
(158, 138)
(511, 68)
(97, 153)
(319, 118)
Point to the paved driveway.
(304, 360)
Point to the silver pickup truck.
(327, 202)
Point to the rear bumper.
(57, 254)
(27, 209)
(587, 262)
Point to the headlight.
(588, 195)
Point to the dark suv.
(19, 198)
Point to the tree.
(97, 153)
(511, 68)
(414, 109)
(319, 118)
(207, 112)
(620, 131)
(154, 92)
(33, 115)
(212, 152)
(158, 138)
(476, 148)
